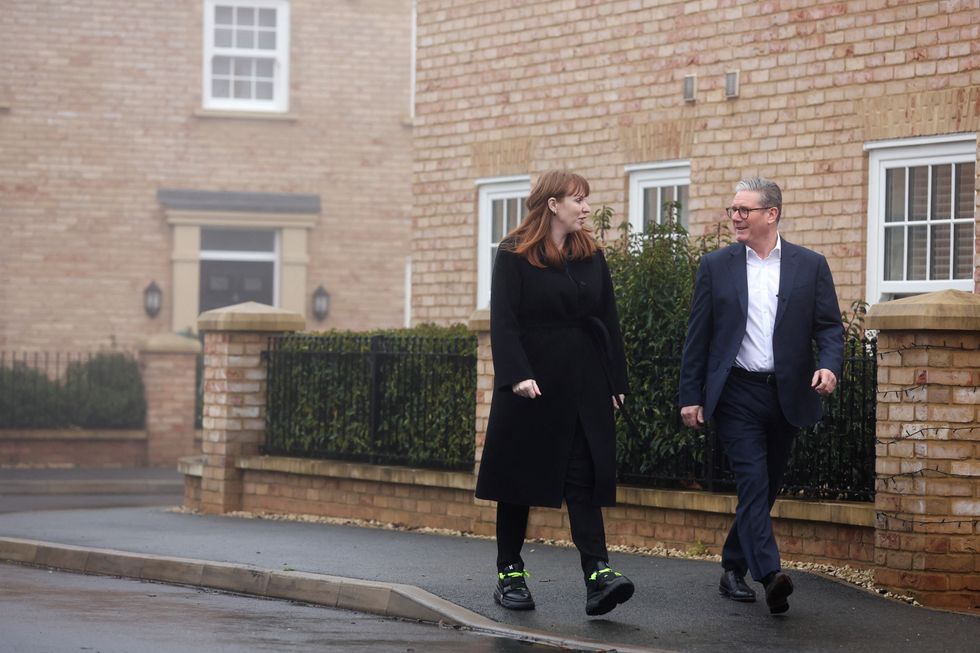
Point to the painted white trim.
(280, 55)
(483, 181)
(408, 292)
(636, 167)
(919, 141)
(882, 156)
(492, 189)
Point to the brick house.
(866, 112)
(219, 151)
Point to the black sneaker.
(605, 589)
(511, 591)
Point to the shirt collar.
(775, 254)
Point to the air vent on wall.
(690, 88)
(731, 85)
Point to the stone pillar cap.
(479, 320)
(171, 343)
(946, 310)
(250, 316)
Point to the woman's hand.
(527, 388)
(618, 401)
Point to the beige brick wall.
(516, 88)
(928, 466)
(98, 103)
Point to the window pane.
(963, 244)
(264, 68)
(493, 256)
(238, 240)
(243, 90)
(224, 283)
(942, 188)
(222, 38)
(511, 213)
(243, 66)
(244, 38)
(682, 198)
(918, 193)
(222, 15)
(649, 206)
(521, 209)
(496, 221)
(220, 88)
(917, 253)
(939, 252)
(267, 17)
(965, 187)
(221, 66)
(267, 40)
(895, 195)
(894, 253)
(263, 90)
(246, 16)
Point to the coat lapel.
(787, 274)
(738, 275)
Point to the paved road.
(58, 612)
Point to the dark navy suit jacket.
(807, 312)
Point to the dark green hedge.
(104, 390)
(401, 396)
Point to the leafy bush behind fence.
(55, 391)
(653, 274)
(402, 396)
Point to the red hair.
(532, 238)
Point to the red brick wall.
(93, 449)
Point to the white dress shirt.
(762, 275)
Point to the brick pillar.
(480, 324)
(169, 365)
(235, 394)
(927, 495)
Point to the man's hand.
(823, 382)
(618, 401)
(693, 416)
(528, 388)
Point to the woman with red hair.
(559, 372)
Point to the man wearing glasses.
(759, 306)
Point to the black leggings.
(588, 531)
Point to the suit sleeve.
(510, 363)
(610, 317)
(694, 361)
(828, 330)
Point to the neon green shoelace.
(596, 573)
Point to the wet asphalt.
(676, 605)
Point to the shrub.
(29, 399)
(105, 391)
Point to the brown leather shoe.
(777, 589)
(733, 586)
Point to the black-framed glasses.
(744, 212)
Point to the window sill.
(227, 114)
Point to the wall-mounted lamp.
(321, 304)
(152, 299)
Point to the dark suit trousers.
(757, 440)
(585, 518)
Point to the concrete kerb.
(387, 599)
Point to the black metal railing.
(400, 400)
(832, 460)
(49, 390)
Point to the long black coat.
(539, 330)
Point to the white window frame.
(280, 93)
(882, 156)
(495, 188)
(654, 175)
(250, 256)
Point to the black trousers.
(588, 530)
(757, 440)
